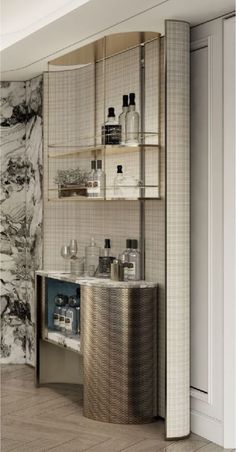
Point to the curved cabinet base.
(119, 350)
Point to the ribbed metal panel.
(118, 329)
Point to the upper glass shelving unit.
(80, 87)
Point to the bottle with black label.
(134, 258)
(71, 321)
(124, 258)
(111, 131)
(56, 317)
(62, 318)
(105, 260)
(60, 302)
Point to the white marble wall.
(21, 215)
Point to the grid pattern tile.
(177, 228)
(155, 233)
(118, 220)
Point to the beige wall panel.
(177, 229)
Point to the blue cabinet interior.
(54, 287)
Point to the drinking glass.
(73, 247)
(65, 252)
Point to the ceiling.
(21, 20)
(31, 40)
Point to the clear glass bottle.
(125, 186)
(99, 181)
(89, 184)
(56, 317)
(134, 258)
(62, 318)
(77, 266)
(132, 123)
(111, 130)
(122, 117)
(71, 321)
(124, 258)
(92, 253)
(119, 183)
(60, 301)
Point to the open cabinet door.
(177, 67)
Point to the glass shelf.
(78, 103)
(71, 151)
(129, 193)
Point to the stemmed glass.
(65, 252)
(73, 248)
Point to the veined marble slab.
(98, 282)
(21, 215)
(70, 342)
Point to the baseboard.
(207, 427)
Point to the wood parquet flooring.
(50, 418)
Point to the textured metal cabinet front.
(118, 328)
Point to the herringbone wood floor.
(51, 419)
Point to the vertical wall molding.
(195, 392)
(207, 409)
(177, 61)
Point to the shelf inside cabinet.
(68, 342)
(72, 151)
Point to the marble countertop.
(98, 282)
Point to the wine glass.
(65, 252)
(73, 248)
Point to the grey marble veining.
(21, 215)
(70, 342)
(98, 282)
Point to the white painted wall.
(229, 236)
(213, 412)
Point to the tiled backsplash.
(83, 220)
(117, 220)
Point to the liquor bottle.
(89, 184)
(71, 325)
(62, 318)
(99, 181)
(56, 317)
(122, 117)
(125, 186)
(92, 253)
(105, 260)
(132, 123)
(124, 258)
(111, 131)
(119, 183)
(107, 247)
(60, 302)
(134, 258)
